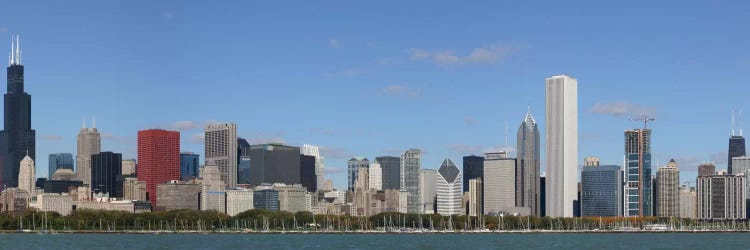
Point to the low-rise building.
(178, 195)
(62, 204)
(239, 200)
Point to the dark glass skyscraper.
(391, 167)
(106, 173)
(473, 168)
(601, 191)
(527, 168)
(59, 161)
(274, 163)
(189, 164)
(307, 172)
(638, 173)
(17, 139)
(736, 149)
(243, 161)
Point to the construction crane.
(645, 118)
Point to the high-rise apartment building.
(158, 159)
(89, 143)
(638, 186)
(106, 174)
(59, 161)
(721, 197)
(562, 145)
(449, 189)
(243, 161)
(601, 191)
(411, 163)
(212, 189)
(274, 163)
(17, 139)
(353, 166)
(376, 176)
(221, 149)
(319, 163)
(527, 167)
(189, 166)
(427, 190)
(473, 167)
(499, 183)
(391, 166)
(668, 190)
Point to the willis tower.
(17, 139)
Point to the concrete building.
(212, 189)
(103, 202)
(221, 149)
(721, 197)
(27, 176)
(668, 190)
(499, 183)
(376, 176)
(89, 143)
(239, 200)
(591, 161)
(688, 202)
(134, 190)
(319, 163)
(638, 186)
(61, 186)
(339, 196)
(362, 197)
(476, 197)
(741, 164)
(353, 166)
(14, 201)
(428, 190)
(62, 204)
(178, 195)
(189, 166)
(449, 189)
(128, 167)
(411, 163)
(60, 161)
(291, 197)
(706, 169)
(562, 145)
(527, 167)
(64, 174)
(274, 163)
(601, 191)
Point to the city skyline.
(125, 106)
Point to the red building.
(158, 159)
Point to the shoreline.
(376, 232)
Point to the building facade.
(353, 166)
(411, 163)
(376, 176)
(688, 202)
(134, 190)
(473, 167)
(266, 199)
(158, 159)
(591, 161)
(499, 183)
(106, 174)
(668, 190)
(129, 167)
(428, 190)
(449, 189)
(291, 197)
(391, 166)
(212, 189)
(527, 167)
(736, 149)
(319, 163)
(221, 149)
(189, 166)
(307, 173)
(27, 176)
(89, 143)
(178, 195)
(706, 169)
(638, 192)
(721, 197)
(601, 191)
(561, 145)
(60, 161)
(239, 200)
(476, 197)
(274, 163)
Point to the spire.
(18, 50)
(84, 122)
(15, 50)
(741, 123)
(12, 51)
(93, 122)
(732, 126)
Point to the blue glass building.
(601, 191)
(266, 199)
(243, 161)
(58, 161)
(189, 164)
(638, 185)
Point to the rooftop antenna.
(12, 51)
(506, 138)
(93, 122)
(741, 123)
(732, 126)
(84, 122)
(18, 49)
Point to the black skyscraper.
(736, 149)
(473, 168)
(106, 173)
(274, 163)
(391, 167)
(17, 139)
(307, 172)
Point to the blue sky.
(370, 79)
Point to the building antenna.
(84, 122)
(506, 137)
(741, 123)
(732, 126)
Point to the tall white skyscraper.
(562, 145)
(221, 149)
(89, 143)
(376, 176)
(319, 164)
(449, 189)
(427, 190)
(27, 175)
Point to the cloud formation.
(334, 153)
(619, 109)
(183, 125)
(52, 137)
(402, 91)
(334, 43)
(450, 57)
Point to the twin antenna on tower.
(15, 50)
(733, 127)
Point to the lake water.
(378, 241)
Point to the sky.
(375, 78)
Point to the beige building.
(178, 195)
(134, 190)
(475, 197)
(212, 189)
(62, 204)
(14, 201)
(27, 176)
(89, 143)
(591, 161)
(291, 197)
(499, 183)
(64, 174)
(667, 190)
(128, 167)
(221, 150)
(239, 200)
(688, 203)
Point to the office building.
(601, 191)
(391, 168)
(239, 200)
(736, 148)
(158, 159)
(740, 165)
(475, 197)
(221, 149)
(189, 166)
(274, 163)
(61, 186)
(134, 190)
(14, 201)
(89, 143)
(449, 189)
(527, 167)
(562, 145)
(428, 190)
(376, 176)
(307, 173)
(59, 161)
(473, 167)
(175, 195)
(638, 192)
(668, 190)
(688, 202)
(721, 197)
(499, 183)
(353, 167)
(706, 169)
(212, 189)
(591, 161)
(61, 204)
(291, 197)
(411, 163)
(312, 150)
(64, 174)
(106, 175)
(265, 198)
(129, 167)
(243, 161)
(27, 176)
(17, 140)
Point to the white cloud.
(489, 54)
(334, 153)
(400, 91)
(618, 109)
(52, 137)
(334, 43)
(183, 125)
(198, 138)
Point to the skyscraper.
(319, 163)
(721, 197)
(601, 191)
(391, 166)
(59, 161)
(158, 159)
(706, 169)
(736, 148)
(353, 168)
(562, 145)
(307, 173)
(688, 202)
(27, 175)
(411, 163)
(449, 189)
(527, 168)
(221, 149)
(427, 190)
(376, 176)
(473, 167)
(212, 189)
(243, 161)
(189, 164)
(106, 174)
(274, 163)
(591, 161)
(499, 183)
(17, 140)
(475, 197)
(668, 190)
(638, 184)
(89, 143)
